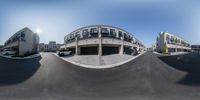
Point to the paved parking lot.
(99, 62)
(95, 60)
(149, 77)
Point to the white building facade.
(167, 42)
(24, 42)
(51, 47)
(101, 40)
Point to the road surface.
(149, 77)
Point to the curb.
(169, 55)
(20, 58)
(159, 54)
(101, 66)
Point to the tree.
(165, 50)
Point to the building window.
(68, 38)
(168, 40)
(130, 39)
(172, 40)
(176, 40)
(104, 32)
(126, 37)
(22, 36)
(94, 32)
(112, 33)
(120, 34)
(85, 33)
(72, 37)
(77, 34)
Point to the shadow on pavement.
(189, 63)
(16, 71)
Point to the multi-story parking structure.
(24, 42)
(101, 40)
(167, 42)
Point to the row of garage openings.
(106, 50)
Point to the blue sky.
(143, 18)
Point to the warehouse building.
(101, 40)
(169, 43)
(24, 42)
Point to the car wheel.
(62, 54)
(70, 53)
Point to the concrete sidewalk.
(28, 57)
(98, 62)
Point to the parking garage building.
(101, 40)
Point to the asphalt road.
(149, 77)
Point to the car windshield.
(63, 50)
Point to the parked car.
(133, 51)
(64, 52)
(9, 52)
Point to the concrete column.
(121, 52)
(65, 46)
(100, 42)
(77, 49)
(176, 49)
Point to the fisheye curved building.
(101, 40)
(169, 43)
(24, 42)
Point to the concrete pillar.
(65, 46)
(77, 49)
(121, 52)
(176, 49)
(100, 42)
